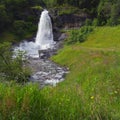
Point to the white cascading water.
(43, 40)
(44, 36)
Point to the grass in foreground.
(91, 90)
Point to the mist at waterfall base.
(43, 40)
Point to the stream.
(45, 71)
(38, 52)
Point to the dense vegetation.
(24, 14)
(12, 68)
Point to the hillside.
(93, 83)
(91, 90)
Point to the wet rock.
(62, 37)
(45, 72)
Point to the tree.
(115, 13)
(3, 18)
(104, 11)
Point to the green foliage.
(21, 102)
(104, 11)
(12, 69)
(79, 35)
(21, 28)
(95, 22)
(88, 22)
(108, 12)
(17, 10)
(115, 19)
(4, 19)
(66, 9)
(37, 8)
(50, 3)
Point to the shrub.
(79, 35)
(95, 22)
(88, 22)
(12, 69)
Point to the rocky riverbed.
(45, 71)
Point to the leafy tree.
(115, 14)
(104, 11)
(3, 18)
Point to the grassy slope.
(94, 81)
(91, 90)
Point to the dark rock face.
(72, 20)
(56, 33)
(68, 20)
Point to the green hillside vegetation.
(24, 14)
(91, 91)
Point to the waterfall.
(43, 40)
(44, 36)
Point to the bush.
(95, 22)
(79, 35)
(88, 22)
(12, 69)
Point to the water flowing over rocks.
(46, 72)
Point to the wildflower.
(92, 97)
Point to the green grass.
(91, 90)
(94, 80)
(104, 37)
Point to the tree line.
(21, 13)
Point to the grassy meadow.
(91, 91)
